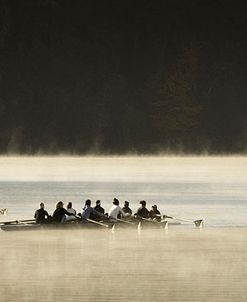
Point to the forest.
(123, 77)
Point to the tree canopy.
(127, 76)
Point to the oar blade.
(165, 225)
(199, 223)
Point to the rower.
(142, 212)
(72, 211)
(116, 210)
(126, 208)
(98, 207)
(41, 215)
(154, 213)
(59, 213)
(88, 212)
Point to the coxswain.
(154, 213)
(142, 212)
(59, 215)
(116, 210)
(126, 208)
(41, 215)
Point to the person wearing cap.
(89, 213)
(126, 208)
(142, 212)
(59, 215)
(41, 215)
(155, 213)
(116, 210)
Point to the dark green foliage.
(122, 76)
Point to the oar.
(97, 222)
(17, 221)
(198, 223)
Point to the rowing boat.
(135, 223)
(30, 226)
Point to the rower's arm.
(123, 213)
(68, 213)
(98, 213)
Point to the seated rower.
(142, 212)
(155, 213)
(59, 215)
(88, 212)
(126, 208)
(116, 210)
(70, 210)
(41, 215)
(98, 209)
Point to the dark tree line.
(120, 76)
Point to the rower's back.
(41, 215)
(142, 212)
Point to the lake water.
(180, 264)
(214, 189)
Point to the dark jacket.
(59, 214)
(155, 214)
(142, 212)
(96, 215)
(41, 216)
(127, 210)
(99, 209)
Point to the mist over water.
(212, 188)
(178, 264)
(185, 265)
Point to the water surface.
(178, 264)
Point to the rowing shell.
(20, 226)
(29, 225)
(140, 223)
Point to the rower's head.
(42, 205)
(88, 202)
(154, 207)
(126, 203)
(69, 205)
(116, 201)
(59, 205)
(143, 203)
(97, 202)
